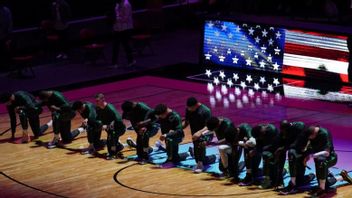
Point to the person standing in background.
(122, 29)
(61, 12)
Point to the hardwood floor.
(32, 170)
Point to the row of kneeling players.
(262, 142)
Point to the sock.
(293, 180)
(50, 123)
(57, 136)
(322, 184)
(80, 129)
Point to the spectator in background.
(61, 13)
(5, 31)
(122, 28)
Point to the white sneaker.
(89, 151)
(199, 168)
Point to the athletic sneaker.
(89, 151)
(346, 177)
(210, 159)
(131, 143)
(43, 128)
(110, 157)
(199, 167)
(290, 189)
(150, 150)
(120, 155)
(247, 181)
(319, 193)
(265, 184)
(313, 190)
(53, 143)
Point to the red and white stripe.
(310, 50)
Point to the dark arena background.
(251, 61)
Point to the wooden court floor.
(32, 170)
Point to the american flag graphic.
(263, 47)
(315, 51)
(241, 89)
(243, 45)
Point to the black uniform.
(287, 141)
(233, 137)
(29, 110)
(197, 121)
(94, 125)
(266, 144)
(172, 127)
(61, 118)
(110, 117)
(141, 112)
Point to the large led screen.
(288, 51)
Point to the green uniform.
(244, 133)
(323, 142)
(226, 127)
(94, 126)
(287, 140)
(142, 112)
(226, 150)
(197, 121)
(110, 117)
(266, 144)
(29, 112)
(62, 118)
(172, 127)
(269, 140)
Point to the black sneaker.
(346, 177)
(150, 150)
(120, 155)
(288, 190)
(43, 128)
(110, 157)
(313, 190)
(247, 181)
(210, 159)
(266, 184)
(319, 193)
(131, 143)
